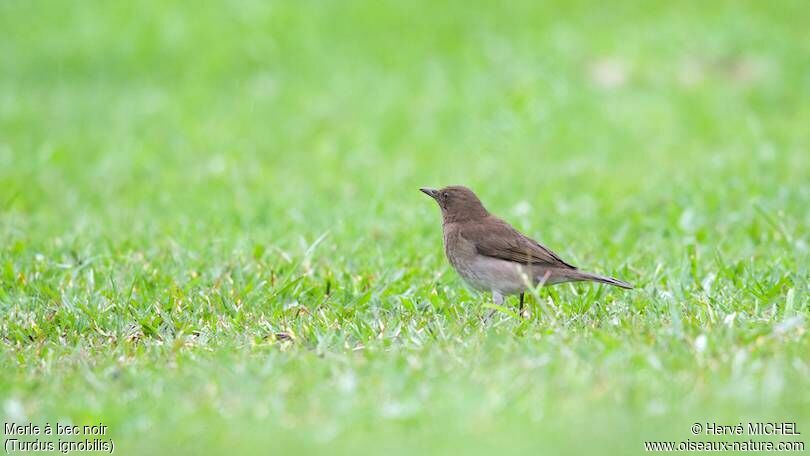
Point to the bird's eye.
(444, 195)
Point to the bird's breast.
(464, 258)
(460, 252)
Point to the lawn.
(212, 239)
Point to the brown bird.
(490, 255)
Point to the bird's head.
(458, 203)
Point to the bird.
(492, 256)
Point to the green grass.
(181, 184)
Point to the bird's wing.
(496, 238)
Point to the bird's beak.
(431, 192)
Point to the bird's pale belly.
(489, 274)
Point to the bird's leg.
(523, 311)
(489, 316)
(497, 299)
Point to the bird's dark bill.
(429, 192)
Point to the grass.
(211, 238)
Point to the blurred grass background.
(166, 169)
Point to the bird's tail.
(580, 275)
